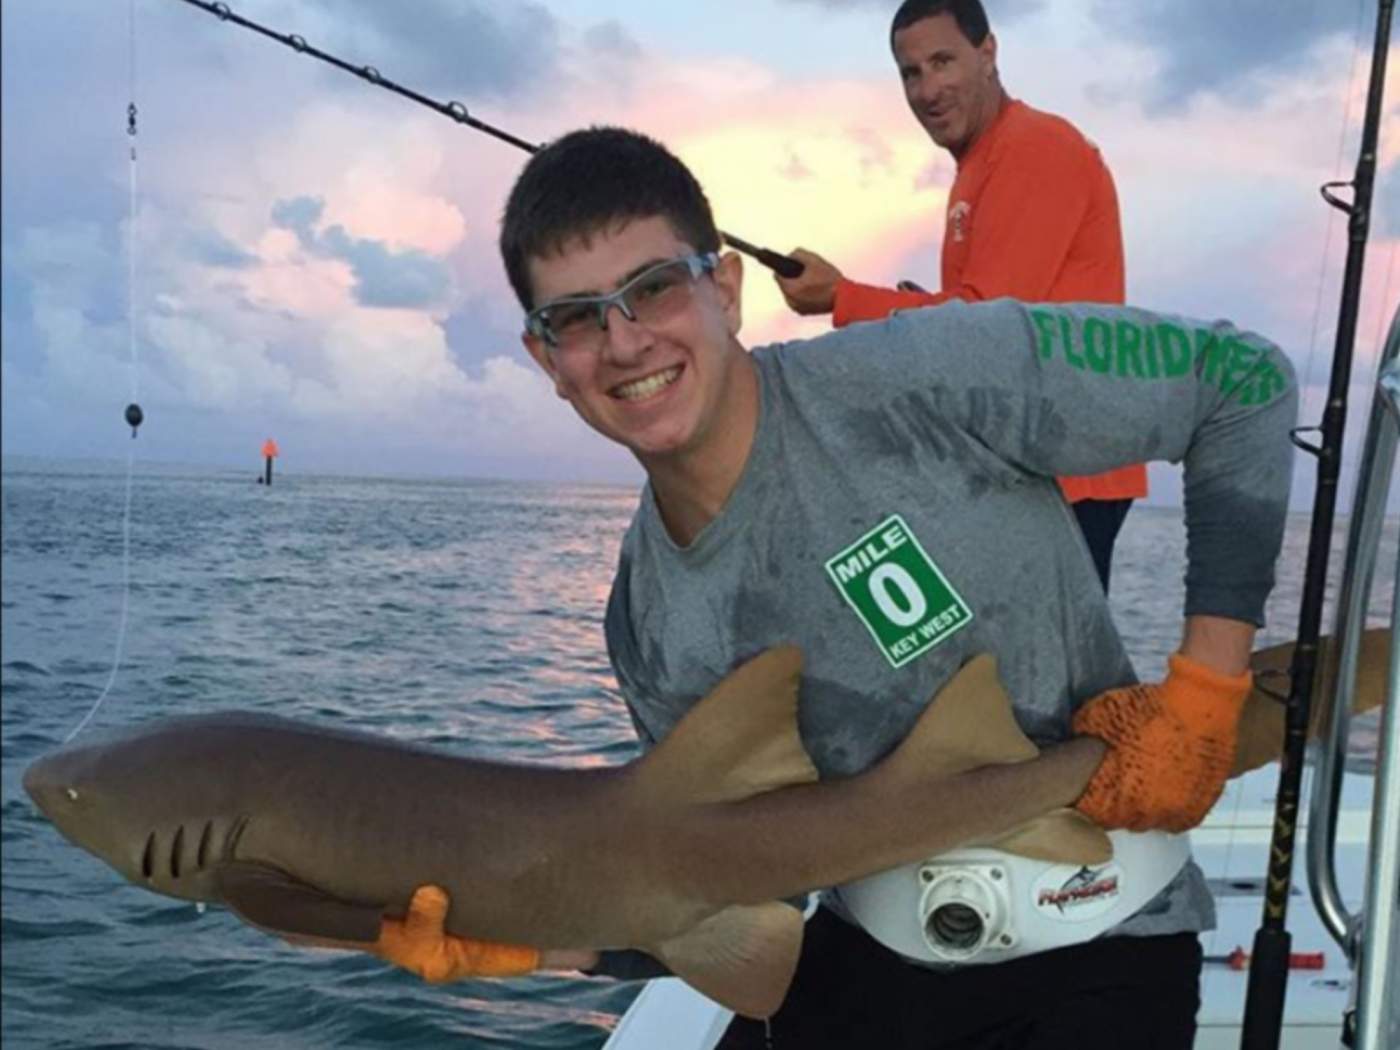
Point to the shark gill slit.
(177, 845)
(148, 858)
(235, 832)
(202, 854)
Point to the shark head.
(119, 801)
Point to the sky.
(313, 259)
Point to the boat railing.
(1368, 938)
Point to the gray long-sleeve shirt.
(898, 514)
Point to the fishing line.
(1338, 170)
(1273, 632)
(1385, 297)
(1350, 479)
(784, 265)
(133, 411)
(1353, 470)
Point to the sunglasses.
(654, 296)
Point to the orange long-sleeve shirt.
(1032, 215)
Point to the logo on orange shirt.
(958, 216)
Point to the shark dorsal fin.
(968, 724)
(740, 740)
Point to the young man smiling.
(674, 391)
(901, 474)
(1032, 214)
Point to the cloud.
(794, 169)
(383, 277)
(300, 215)
(211, 248)
(437, 47)
(70, 265)
(476, 332)
(213, 361)
(1229, 48)
(998, 11)
(388, 278)
(325, 263)
(871, 148)
(612, 40)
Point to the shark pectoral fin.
(1064, 836)
(743, 957)
(740, 740)
(271, 899)
(1262, 720)
(968, 724)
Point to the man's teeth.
(652, 384)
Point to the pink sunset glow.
(325, 251)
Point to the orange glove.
(418, 943)
(1171, 747)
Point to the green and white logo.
(898, 592)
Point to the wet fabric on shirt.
(897, 515)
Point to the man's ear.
(536, 348)
(729, 282)
(989, 54)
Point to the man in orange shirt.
(1032, 214)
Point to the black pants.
(1100, 520)
(852, 994)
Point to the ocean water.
(466, 615)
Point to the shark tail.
(1262, 720)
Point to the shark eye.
(72, 794)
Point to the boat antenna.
(784, 265)
(1268, 973)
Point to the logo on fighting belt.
(1086, 894)
(899, 593)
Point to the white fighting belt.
(975, 906)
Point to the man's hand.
(814, 291)
(1171, 747)
(418, 943)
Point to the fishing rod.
(1270, 957)
(783, 265)
(1268, 974)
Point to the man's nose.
(923, 89)
(624, 339)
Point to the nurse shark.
(686, 853)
